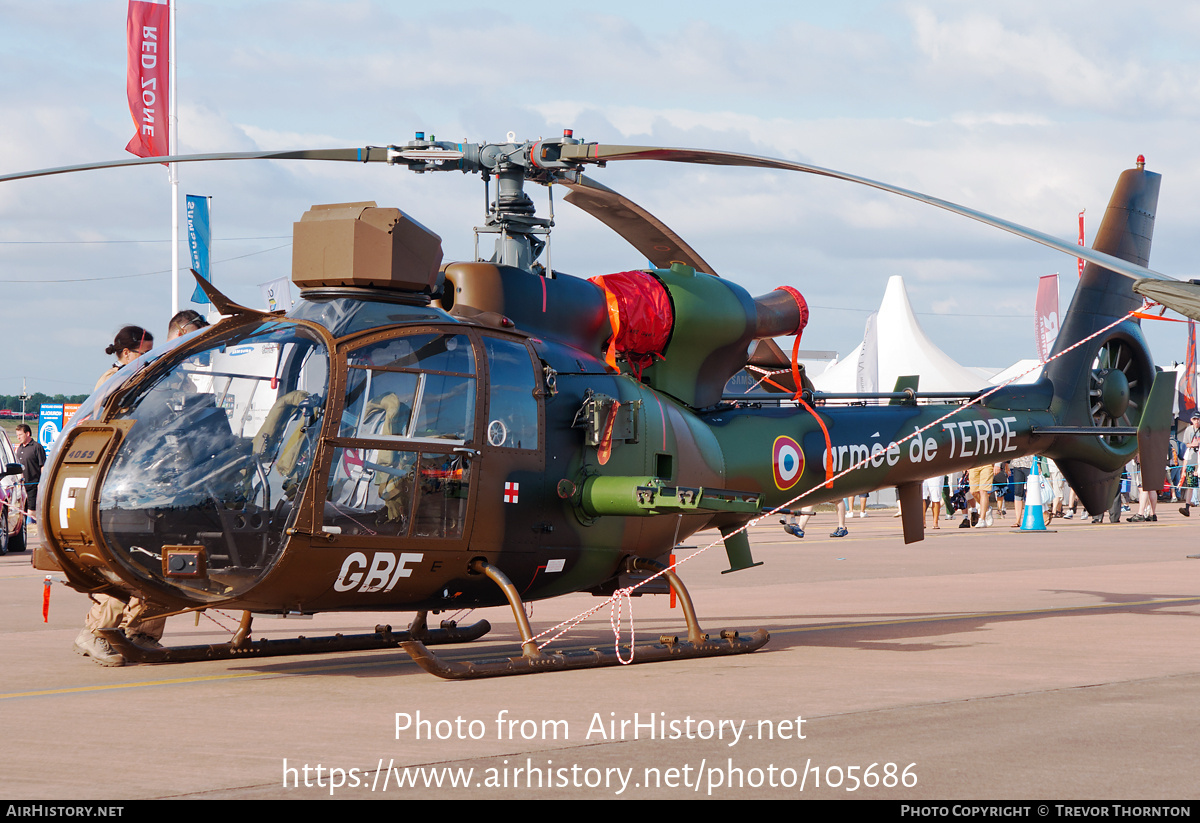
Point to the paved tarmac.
(982, 664)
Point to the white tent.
(1025, 371)
(898, 346)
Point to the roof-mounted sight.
(361, 245)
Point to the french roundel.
(787, 462)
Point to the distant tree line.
(35, 400)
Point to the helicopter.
(420, 436)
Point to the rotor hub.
(1114, 391)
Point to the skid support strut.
(532, 660)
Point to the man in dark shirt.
(32, 457)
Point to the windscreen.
(220, 445)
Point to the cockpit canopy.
(219, 444)
(225, 434)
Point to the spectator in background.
(185, 322)
(1175, 470)
(1147, 501)
(107, 611)
(32, 457)
(961, 499)
(980, 479)
(795, 526)
(1070, 501)
(1191, 438)
(1020, 467)
(931, 490)
(1002, 488)
(130, 343)
(841, 530)
(1057, 483)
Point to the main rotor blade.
(641, 229)
(368, 154)
(601, 153)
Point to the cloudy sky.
(1026, 110)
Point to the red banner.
(1189, 368)
(1080, 259)
(1045, 315)
(147, 81)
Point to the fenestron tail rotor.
(1106, 384)
(1117, 385)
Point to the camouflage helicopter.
(414, 436)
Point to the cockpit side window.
(416, 391)
(512, 407)
(419, 387)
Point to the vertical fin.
(1092, 464)
(737, 549)
(904, 382)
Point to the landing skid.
(532, 660)
(382, 638)
(669, 648)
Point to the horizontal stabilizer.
(1086, 431)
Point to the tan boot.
(97, 648)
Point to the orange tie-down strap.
(799, 399)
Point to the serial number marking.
(383, 574)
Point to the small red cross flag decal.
(510, 492)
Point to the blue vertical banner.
(199, 241)
(50, 424)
